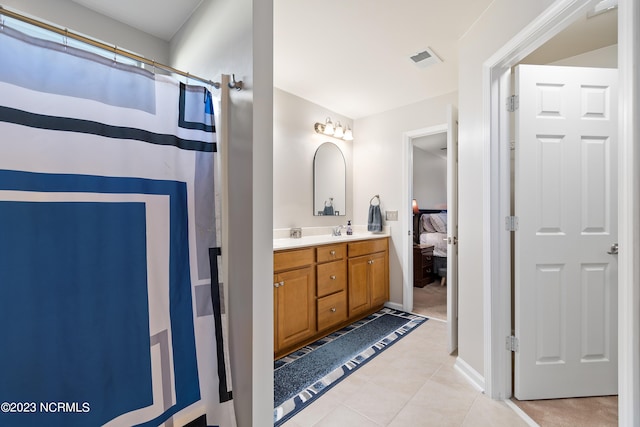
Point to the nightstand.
(422, 265)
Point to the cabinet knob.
(332, 277)
(370, 261)
(333, 309)
(332, 252)
(278, 284)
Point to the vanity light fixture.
(336, 131)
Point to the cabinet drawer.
(332, 277)
(330, 253)
(367, 247)
(285, 260)
(427, 260)
(332, 310)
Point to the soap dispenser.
(349, 229)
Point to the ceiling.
(435, 144)
(354, 57)
(160, 18)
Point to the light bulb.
(328, 127)
(348, 134)
(339, 132)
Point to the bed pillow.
(439, 222)
(425, 223)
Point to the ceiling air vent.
(425, 58)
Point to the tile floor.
(413, 383)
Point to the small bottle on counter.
(349, 229)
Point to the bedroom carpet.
(431, 301)
(304, 375)
(601, 411)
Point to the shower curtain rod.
(66, 33)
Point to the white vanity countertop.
(310, 238)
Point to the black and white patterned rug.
(303, 376)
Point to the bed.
(430, 228)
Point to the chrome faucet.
(336, 230)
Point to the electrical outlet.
(392, 215)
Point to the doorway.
(450, 218)
(497, 306)
(565, 295)
(429, 182)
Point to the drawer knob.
(333, 309)
(332, 252)
(332, 277)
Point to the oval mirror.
(329, 181)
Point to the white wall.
(79, 19)
(294, 146)
(497, 25)
(606, 57)
(429, 179)
(236, 36)
(378, 168)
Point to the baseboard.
(471, 374)
(394, 306)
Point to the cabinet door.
(378, 278)
(358, 285)
(295, 306)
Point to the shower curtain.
(111, 306)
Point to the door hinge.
(513, 103)
(511, 223)
(512, 343)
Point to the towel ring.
(377, 196)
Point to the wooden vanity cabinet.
(321, 289)
(368, 266)
(294, 291)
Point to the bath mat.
(306, 374)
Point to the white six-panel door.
(565, 306)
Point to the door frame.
(496, 181)
(407, 191)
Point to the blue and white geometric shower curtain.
(111, 310)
